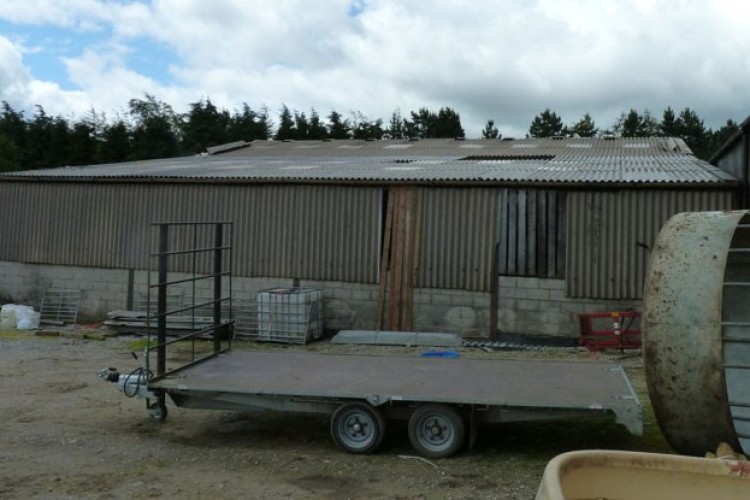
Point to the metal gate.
(206, 312)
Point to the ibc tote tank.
(696, 327)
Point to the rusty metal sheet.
(682, 327)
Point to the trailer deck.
(240, 378)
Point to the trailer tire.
(358, 427)
(436, 431)
(157, 411)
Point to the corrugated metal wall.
(610, 234)
(332, 233)
(732, 160)
(459, 229)
(309, 232)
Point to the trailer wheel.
(358, 427)
(157, 410)
(436, 431)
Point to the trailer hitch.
(135, 384)
(131, 384)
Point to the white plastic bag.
(27, 318)
(13, 316)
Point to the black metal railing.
(203, 252)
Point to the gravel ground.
(66, 434)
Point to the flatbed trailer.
(438, 396)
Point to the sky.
(505, 60)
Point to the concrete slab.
(377, 337)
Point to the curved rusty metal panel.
(682, 326)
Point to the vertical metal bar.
(218, 240)
(193, 291)
(194, 272)
(131, 289)
(745, 175)
(230, 256)
(161, 322)
(149, 317)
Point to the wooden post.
(407, 297)
(384, 260)
(396, 261)
(495, 293)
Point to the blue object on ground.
(440, 354)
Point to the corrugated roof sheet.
(567, 161)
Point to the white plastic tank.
(7, 318)
(292, 315)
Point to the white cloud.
(14, 78)
(498, 59)
(84, 14)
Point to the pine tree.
(669, 125)
(490, 130)
(286, 130)
(156, 130)
(546, 124)
(396, 126)
(205, 126)
(585, 127)
(337, 128)
(316, 130)
(693, 132)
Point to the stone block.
(558, 295)
(507, 282)
(439, 299)
(461, 299)
(573, 306)
(528, 282)
(538, 294)
(552, 284)
(527, 305)
(421, 298)
(514, 293)
(481, 301)
(504, 303)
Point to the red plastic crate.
(610, 330)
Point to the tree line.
(686, 125)
(150, 128)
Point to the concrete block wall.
(534, 305)
(102, 290)
(526, 305)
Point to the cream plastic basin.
(623, 475)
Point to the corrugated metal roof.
(572, 161)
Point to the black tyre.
(157, 410)
(358, 427)
(436, 431)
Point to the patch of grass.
(25, 335)
(13, 335)
(141, 344)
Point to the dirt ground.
(64, 433)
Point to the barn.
(734, 157)
(432, 235)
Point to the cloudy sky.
(501, 59)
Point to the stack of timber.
(136, 322)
